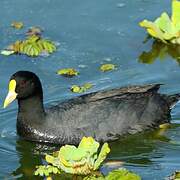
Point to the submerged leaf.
(17, 25)
(68, 72)
(107, 67)
(122, 174)
(87, 85)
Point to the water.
(90, 33)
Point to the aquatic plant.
(17, 25)
(46, 170)
(82, 161)
(175, 176)
(116, 174)
(68, 72)
(164, 28)
(122, 174)
(107, 67)
(81, 89)
(34, 45)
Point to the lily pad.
(68, 72)
(107, 67)
(17, 25)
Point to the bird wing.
(121, 91)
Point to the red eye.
(23, 83)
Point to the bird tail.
(172, 99)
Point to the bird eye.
(23, 83)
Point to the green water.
(90, 33)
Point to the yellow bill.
(11, 96)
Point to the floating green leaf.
(33, 46)
(68, 72)
(43, 170)
(164, 28)
(102, 156)
(81, 160)
(176, 12)
(75, 88)
(82, 163)
(107, 67)
(122, 174)
(87, 86)
(17, 25)
(81, 89)
(46, 45)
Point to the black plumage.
(104, 115)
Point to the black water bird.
(104, 115)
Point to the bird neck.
(31, 108)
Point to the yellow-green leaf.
(17, 25)
(81, 89)
(32, 46)
(152, 29)
(68, 72)
(107, 67)
(164, 28)
(102, 155)
(164, 23)
(49, 159)
(87, 85)
(122, 174)
(175, 12)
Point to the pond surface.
(89, 33)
